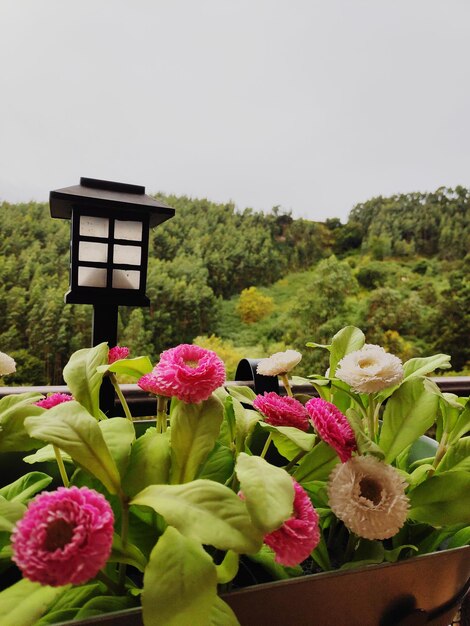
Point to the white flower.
(279, 363)
(370, 369)
(7, 364)
(369, 496)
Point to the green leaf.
(419, 474)
(14, 410)
(442, 500)
(423, 366)
(136, 368)
(83, 379)
(219, 465)
(145, 527)
(149, 462)
(6, 553)
(46, 454)
(317, 492)
(298, 381)
(104, 604)
(316, 464)
(457, 457)
(119, 435)
(409, 413)
(462, 425)
(72, 429)
(268, 492)
(25, 602)
(56, 617)
(320, 554)
(392, 556)
(322, 387)
(367, 553)
(186, 593)
(130, 554)
(450, 407)
(312, 344)
(290, 440)
(205, 511)
(10, 513)
(347, 340)
(242, 394)
(194, 431)
(25, 487)
(246, 420)
(433, 539)
(222, 614)
(228, 569)
(461, 538)
(363, 441)
(228, 429)
(77, 596)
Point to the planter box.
(425, 590)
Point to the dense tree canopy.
(399, 272)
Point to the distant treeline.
(430, 224)
(208, 252)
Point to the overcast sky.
(313, 105)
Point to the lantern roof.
(93, 193)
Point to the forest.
(247, 283)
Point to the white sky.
(314, 105)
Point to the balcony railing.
(141, 404)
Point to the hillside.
(399, 271)
(410, 306)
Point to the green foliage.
(454, 311)
(25, 602)
(405, 277)
(253, 306)
(192, 499)
(72, 429)
(190, 583)
(372, 275)
(432, 224)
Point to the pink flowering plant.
(225, 487)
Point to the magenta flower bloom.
(53, 400)
(116, 353)
(282, 410)
(294, 541)
(64, 537)
(333, 427)
(188, 372)
(150, 383)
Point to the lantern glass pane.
(91, 251)
(94, 226)
(129, 255)
(126, 279)
(129, 230)
(92, 277)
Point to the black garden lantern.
(109, 247)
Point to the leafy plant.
(225, 482)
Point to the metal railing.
(141, 404)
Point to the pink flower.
(189, 372)
(116, 353)
(150, 383)
(332, 426)
(53, 400)
(282, 410)
(64, 537)
(294, 541)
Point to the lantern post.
(110, 227)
